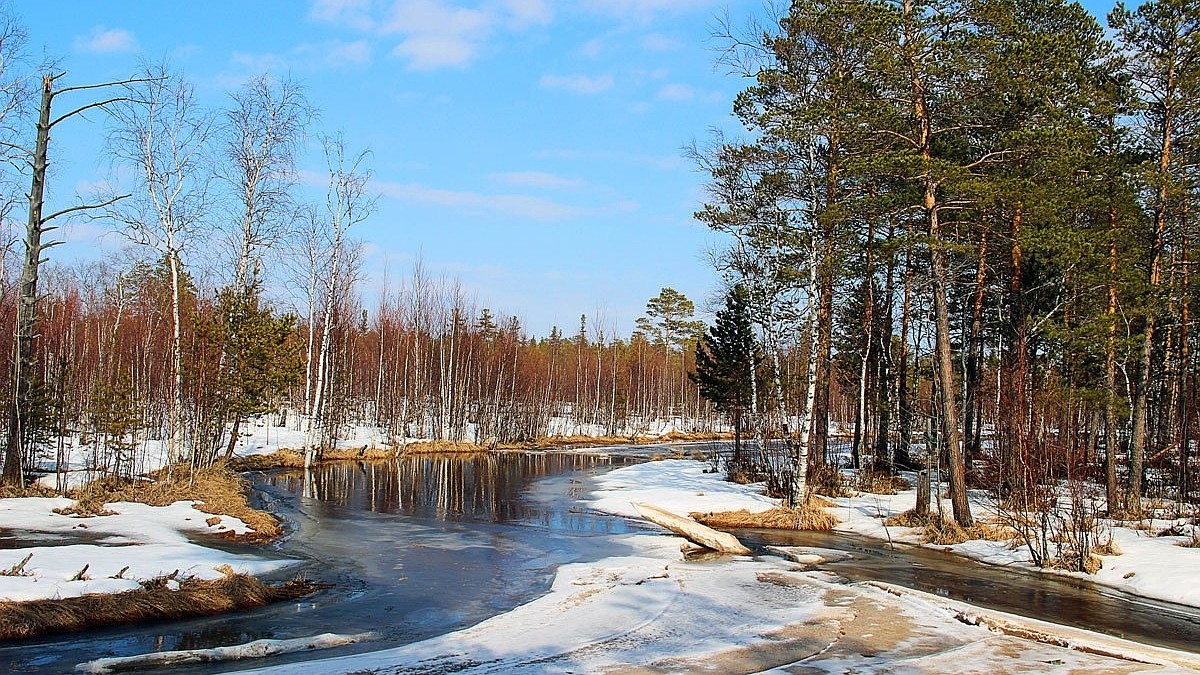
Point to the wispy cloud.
(103, 40)
(433, 34)
(524, 206)
(537, 179)
(309, 56)
(580, 84)
(337, 54)
(353, 13)
(645, 10)
(476, 203)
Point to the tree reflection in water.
(489, 487)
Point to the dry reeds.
(443, 447)
(154, 602)
(830, 482)
(32, 490)
(280, 459)
(811, 516)
(879, 482)
(219, 488)
(946, 532)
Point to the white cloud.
(258, 63)
(103, 40)
(677, 92)
(580, 84)
(536, 179)
(479, 204)
(522, 13)
(475, 203)
(353, 13)
(646, 10)
(432, 34)
(432, 51)
(435, 34)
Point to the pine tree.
(725, 357)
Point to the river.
(421, 546)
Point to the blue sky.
(530, 148)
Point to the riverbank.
(117, 553)
(652, 610)
(264, 457)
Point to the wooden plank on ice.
(691, 530)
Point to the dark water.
(1050, 597)
(421, 546)
(414, 548)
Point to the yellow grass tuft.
(443, 447)
(879, 482)
(219, 488)
(947, 532)
(811, 516)
(280, 459)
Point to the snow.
(653, 610)
(151, 541)
(1149, 566)
(678, 485)
(647, 606)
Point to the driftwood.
(691, 530)
(250, 650)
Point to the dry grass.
(946, 532)
(34, 490)
(829, 481)
(1192, 532)
(155, 601)
(364, 453)
(1107, 547)
(909, 518)
(443, 447)
(280, 459)
(1070, 563)
(811, 516)
(879, 482)
(219, 488)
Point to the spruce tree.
(725, 356)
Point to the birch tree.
(347, 203)
(164, 137)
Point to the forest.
(238, 297)
(974, 222)
(958, 237)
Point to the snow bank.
(651, 611)
(678, 485)
(150, 541)
(1151, 567)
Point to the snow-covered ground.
(653, 611)
(149, 541)
(1149, 566)
(84, 460)
(646, 610)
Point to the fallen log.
(250, 650)
(691, 530)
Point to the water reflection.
(414, 547)
(494, 488)
(1055, 598)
